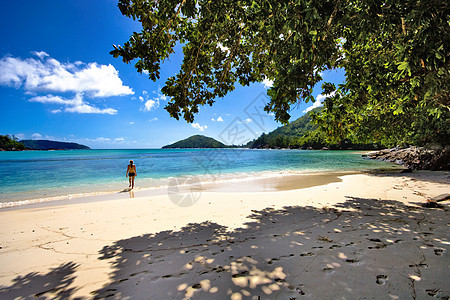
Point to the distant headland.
(51, 145)
(11, 143)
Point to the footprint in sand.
(375, 240)
(438, 252)
(197, 286)
(419, 266)
(307, 254)
(241, 274)
(433, 292)
(300, 291)
(272, 260)
(352, 261)
(296, 289)
(381, 279)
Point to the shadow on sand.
(367, 248)
(289, 253)
(53, 285)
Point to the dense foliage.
(8, 143)
(396, 54)
(197, 141)
(48, 145)
(303, 134)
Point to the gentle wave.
(181, 181)
(28, 177)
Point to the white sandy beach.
(357, 236)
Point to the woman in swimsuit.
(131, 173)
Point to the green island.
(196, 141)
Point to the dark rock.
(432, 205)
(416, 158)
(441, 197)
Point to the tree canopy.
(395, 54)
(197, 141)
(9, 143)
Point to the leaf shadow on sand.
(53, 285)
(286, 253)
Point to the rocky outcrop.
(416, 158)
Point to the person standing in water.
(131, 173)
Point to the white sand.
(365, 237)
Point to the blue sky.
(58, 81)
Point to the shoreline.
(264, 181)
(29, 185)
(364, 236)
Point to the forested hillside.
(303, 134)
(48, 145)
(197, 141)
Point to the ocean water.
(45, 175)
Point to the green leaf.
(403, 65)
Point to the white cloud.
(87, 109)
(246, 121)
(119, 139)
(20, 136)
(40, 54)
(199, 127)
(45, 74)
(74, 105)
(267, 83)
(219, 119)
(131, 123)
(150, 104)
(154, 119)
(42, 73)
(319, 101)
(162, 97)
(51, 99)
(36, 136)
(102, 139)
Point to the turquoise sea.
(45, 175)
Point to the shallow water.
(47, 174)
